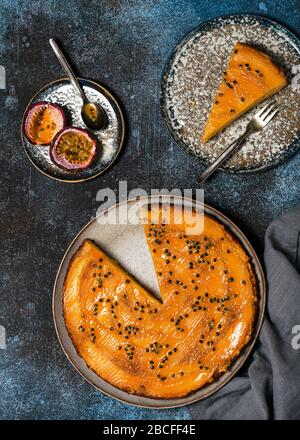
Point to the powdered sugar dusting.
(193, 77)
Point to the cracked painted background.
(123, 44)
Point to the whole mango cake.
(169, 348)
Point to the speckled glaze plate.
(191, 79)
(110, 140)
(116, 239)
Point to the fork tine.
(265, 108)
(269, 111)
(270, 116)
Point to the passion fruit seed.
(75, 148)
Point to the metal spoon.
(92, 114)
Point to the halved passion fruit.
(73, 149)
(42, 121)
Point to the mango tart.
(163, 349)
(250, 77)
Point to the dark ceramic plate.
(110, 140)
(191, 79)
(116, 239)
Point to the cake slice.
(250, 77)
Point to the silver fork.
(257, 123)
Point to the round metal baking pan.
(116, 239)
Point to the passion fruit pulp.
(73, 149)
(43, 121)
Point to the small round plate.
(110, 139)
(126, 244)
(191, 79)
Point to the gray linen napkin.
(269, 386)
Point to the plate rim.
(284, 30)
(240, 359)
(96, 85)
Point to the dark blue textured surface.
(124, 45)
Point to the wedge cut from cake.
(250, 77)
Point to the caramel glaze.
(168, 349)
